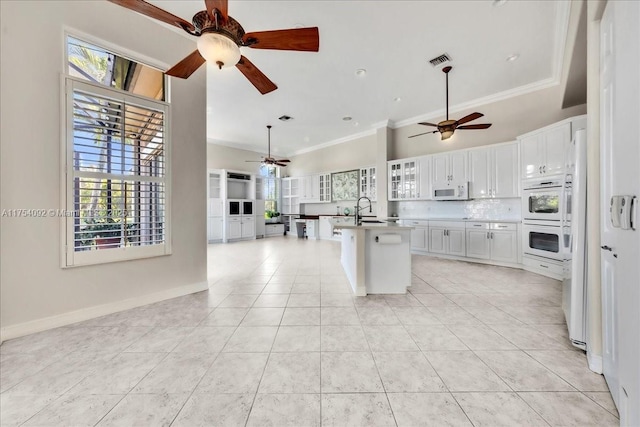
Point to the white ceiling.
(393, 41)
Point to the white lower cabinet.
(447, 237)
(419, 234)
(234, 228)
(214, 228)
(248, 228)
(493, 241)
(274, 230)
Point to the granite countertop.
(510, 221)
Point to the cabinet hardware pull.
(488, 235)
(606, 248)
(492, 235)
(544, 266)
(544, 169)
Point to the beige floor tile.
(263, 317)
(464, 371)
(389, 338)
(75, 410)
(569, 409)
(234, 373)
(343, 338)
(349, 372)
(339, 316)
(407, 372)
(301, 316)
(427, 409)
(297, 338)
(272, 300)
(251, 339)
(285, 410)
(480, 337)
(571, 366)
(215, 410)
(291, 373)
(356, 409)
(435, 337)
(498, 410)
(145, 409)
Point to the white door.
(437, 242)
(419, 239)
(504, 246)
(458, 166)
(504, 170)
(479, 186)
(440, 168)
(531, 153)
(456, 242)
(556, 142)
(620, 86)
(478, 244)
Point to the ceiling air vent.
(439, 60)
(285, 118)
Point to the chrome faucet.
(358, 209)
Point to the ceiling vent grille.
(285, 118)
(439, 60)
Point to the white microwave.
(453, 191)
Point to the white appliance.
(574, 295)
(543, 199)
(544, 239)
(453, 191)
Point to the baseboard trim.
(39, 325)
(595, 362)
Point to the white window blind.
(117, 175)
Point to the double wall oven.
(546, 210)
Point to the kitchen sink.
(371, 221)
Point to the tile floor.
(279, 340)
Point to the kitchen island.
(376, 256)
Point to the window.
(270, 188)
(117, 184)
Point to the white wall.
(35, 292)
(223, 157)
(336, 158)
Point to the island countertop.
(369, 225)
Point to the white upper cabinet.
(404, 179)
(543, 153)
(449, 168)
(315, 188)
(324, 190)
(493, 172)
(368, 183)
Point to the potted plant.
(103, 234)
(271, 216)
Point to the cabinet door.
(395, 181)
(478, 244)
(456, 242)
(234, 228)
(419, 239)
(440, 168)
(325, 187)
(479, 182)
(424, 188)
(372, 184)
(248, 227)
(531, 154)
(215, 228)
(364, 182)
(504, 168)
(437, 242)
(215, 207)
(556, 144)
(458, 166)
(504, 246)
(410, 179)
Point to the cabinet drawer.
(446, 224)
(477, 225)
(551, 267)
(415, 223)
(504, 226)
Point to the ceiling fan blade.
(221, 5)
(284, 160)
(420, 134)
(469, 118)
(255, 76)
(303, 39)
(428, 124)
(254, 161)
(187, 66)
(154, 12)
(279, 164)
(479, 126)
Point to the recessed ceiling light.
(285, 118)
(513, 57)
(397, 99)
(498, 3)
(347, 118)
(361, 72)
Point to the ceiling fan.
(448, 127)
(270, 160)
(220, 38)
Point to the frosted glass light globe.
(218, 49)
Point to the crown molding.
(384, 124)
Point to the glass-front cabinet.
(368, 182)
(325, 187)
(404, 179)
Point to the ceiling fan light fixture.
(219, 49)
(446, 134)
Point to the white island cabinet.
(376, 257)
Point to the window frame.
(69, 257)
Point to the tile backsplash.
(334, 208)
(481, 209)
